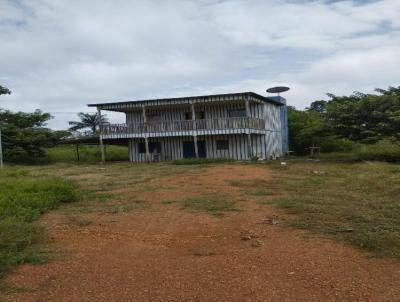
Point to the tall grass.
(87, 153)
(383, 150)
(22, 200)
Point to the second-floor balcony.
(186, 127)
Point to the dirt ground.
(167, 253)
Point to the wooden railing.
(186, 125)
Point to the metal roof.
(277, 100)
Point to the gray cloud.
(61, 55)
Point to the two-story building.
(235, 126)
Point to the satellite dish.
(277, 89)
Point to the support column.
(196, 147)
(103, 153)
(146, 139)
(146, 143)
(249, 142)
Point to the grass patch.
(23, 199)
(202, 252)
(211, 204)
(200, 161)
(168, 201)
(254, 187)
(357, 203)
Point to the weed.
(213, 204)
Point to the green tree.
(318, 106)
(25, 136)
(366, 118)
(305, 129)
(88, 120)
(4, 90)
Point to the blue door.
(189, 150)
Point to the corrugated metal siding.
(264, 146)
(268, 145)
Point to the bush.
(22, 200)
(336, 144)
(384, 150)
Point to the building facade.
(234, 126)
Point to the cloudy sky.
(59, 55)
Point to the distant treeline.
(367, 124)
(344, 123)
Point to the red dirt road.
(166, 253)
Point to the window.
(153, 147)
(200, 115)
(237, 113)
(153, 118)
(222, 145)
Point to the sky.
(59, 55)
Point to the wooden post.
(249, 143)
(146, 139)
(196, 147)
(103, 154)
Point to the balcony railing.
(186, 125)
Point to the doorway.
(189, 150)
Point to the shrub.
(383, 150)
(336, 144)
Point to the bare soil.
(167, 253)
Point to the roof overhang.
(131, 105)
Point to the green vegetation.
(88, 120)
(383, 150)
(200, 161)
(25, 137)
(87, 153)
(213, 204)
(349, 124)
(255, 187)
(357, 202)
(23, 199)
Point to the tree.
(305, 129)
(340, 122)
(88, 120)
(390, 91)
(4, 90)
(366, 118)
(318, 106)
(25, 136)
